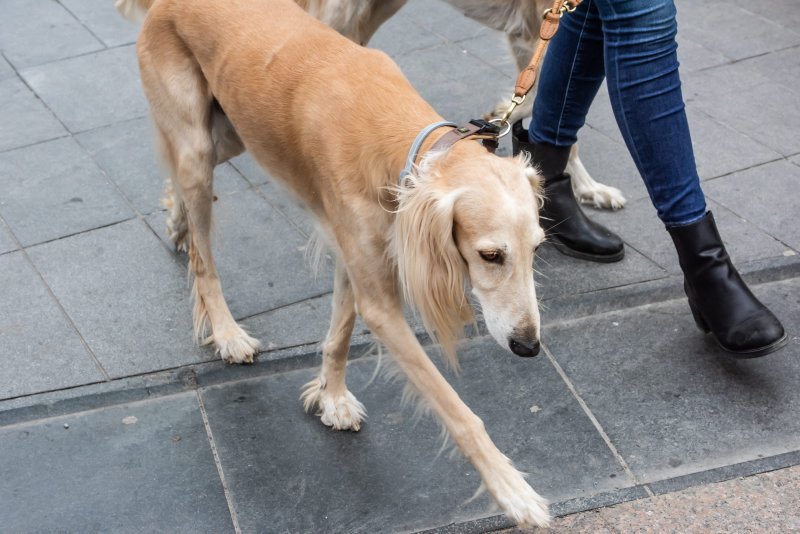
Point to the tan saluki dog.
(519, 20)
(334, 122)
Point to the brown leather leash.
(490, 132)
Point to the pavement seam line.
(67, 316)
(218, 463)
(585, 407)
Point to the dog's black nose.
(525, 349)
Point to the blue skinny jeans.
(632, 44)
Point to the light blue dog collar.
(417, 144)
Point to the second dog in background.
(519, 20)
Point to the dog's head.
(470, 219)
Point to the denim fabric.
(632, 44)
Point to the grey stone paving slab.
(781, 67)
(128, 296)
(25, 119)
(143, 467)
(6, 70)
(297, 324)
(727, 95)
(37, 32)
(259, 254)
(558, 275)
(719, 149)
(783, 12)
(695, 408)
(457, 84)
(444, 20)
(694, 56)
(104, 21)
(7, 243)
(126, 153)
(764, 196)
(39, 350)
(732, 30)
(493, 49)
(54, 189)
(92, 90)
(401, 34)
(641, 228)
(288, 472)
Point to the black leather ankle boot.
(563, 220)
(720, 301)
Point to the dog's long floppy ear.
(432, 272)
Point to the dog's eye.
(492, 256)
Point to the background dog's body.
(303, 100)
(519, 20)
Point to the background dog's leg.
(384, 315)
(587, 190)
(336, 406)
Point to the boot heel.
(698, 319)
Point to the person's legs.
(641, 65)
(571, 74)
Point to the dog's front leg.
(328, 393)
(506, 485)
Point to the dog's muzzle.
(526, 349)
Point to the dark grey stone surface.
(54, 189)
(297, 324)
(25, 119)
(640, 227)
(92, 90)
(37, 32)
(144, 467)
(764, 197)
(679, 404)
(39, 349)
(558, 275)
(402, 33)
(126, 153)
(260, 256)
(128, 296)
(7, 243)
(288, 472)
(103, 21)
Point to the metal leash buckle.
(502, 122)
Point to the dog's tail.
(133, 10)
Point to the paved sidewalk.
(111, 419)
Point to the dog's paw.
(341, 412)
(235, 346)
(601, 196)
(178, 233)
(517, 499)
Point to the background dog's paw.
(601, 196)
(237, 346)
(341, 412)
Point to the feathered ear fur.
(431, 270)
(537, 183)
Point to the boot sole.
(598, 258)
(738, 354)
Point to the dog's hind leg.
(328, 392)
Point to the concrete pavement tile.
(457, 84)
(92, 90)
(144, 467)
(25, 119)
(493, 49)
(733, 31)
(719, 149)
(694, 56)
(444, 20)
(7, 243)
(679, 404)
(388, 477)
(297, 324)
(641, 228)
(780, 67)
(126, 153)
(783, 12)
(104, 21)
(765, 196)
(39, 350)
(260, 256)
(6, 70)
(771, 123)
(54, 189)
(559, 275)
(401, 34)
(127, 295)
(37, 32)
